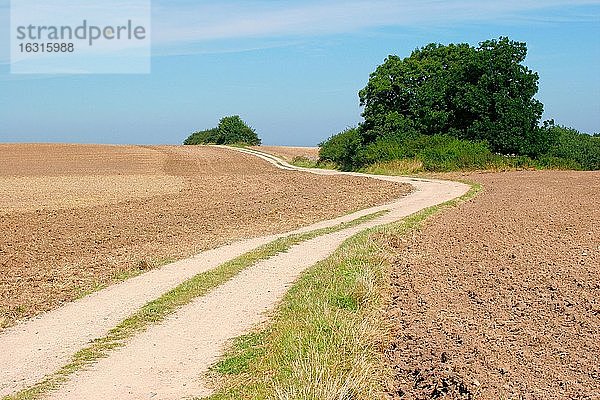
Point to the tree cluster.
(231, 130)
(474, 93)
(457, 103)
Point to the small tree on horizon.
(231, 130)
(234, 130)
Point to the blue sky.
(292, 69)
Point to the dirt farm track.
(497, 298)
(75, 217)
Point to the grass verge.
(305, 162)
(328, 336)
(494, 163)
(157, 310)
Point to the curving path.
(168, 360)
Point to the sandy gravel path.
(31, 350)
(167, 360)
(40, 346)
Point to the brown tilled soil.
(133, 208)
(500, 297)
(289, 153)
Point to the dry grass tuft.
(407, 166)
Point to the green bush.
(231, 130)
(384, 149)
(209, 136)
(234, 130)
(436, 153)
(444, 153)
(569, 150)
(578, 150)
(551, 162)
(342, 149)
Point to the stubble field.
(77, 217)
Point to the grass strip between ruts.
(157, 310)
(328, 336)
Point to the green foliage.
(234, 130)
(209, 136)
(449, 154)
(476, 93)
(579, 150)
(458, 107)
(436, 153)
(342, 148)
(441, 153)
(231, 130)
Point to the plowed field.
(73, 217)
(500, 297)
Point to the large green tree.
(476, 93)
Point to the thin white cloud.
(173, 22)
(192, 27)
